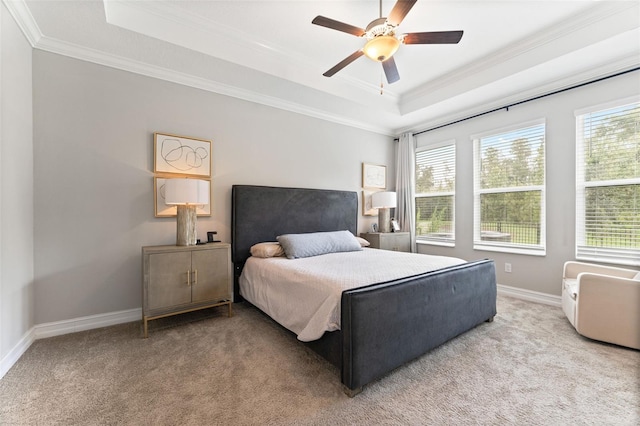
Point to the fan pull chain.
(381, 85)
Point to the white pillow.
(637, 276)
(270, 249)
(317, 243)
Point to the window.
(435, 193)
(608, 184)
(509, 191)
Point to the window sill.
(436, 243)
(609, 260)
(513, 250)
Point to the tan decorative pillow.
(363, 242)
(270, 249)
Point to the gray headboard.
(261, 213)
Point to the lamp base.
(186, 225)
(384, 219)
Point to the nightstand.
(396, 241)
(179, 279)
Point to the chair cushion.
(571, 287)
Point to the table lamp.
(383, 201)
(186, 194)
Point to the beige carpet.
(527, 367)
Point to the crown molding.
(137, 67)
(552, 34)
(27, 24)
(23, 17)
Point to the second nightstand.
(396, 241)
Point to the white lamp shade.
(384, 199)
(186, 191)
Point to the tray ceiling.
(269, 52)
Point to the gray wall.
(93, 156)
(541, 274)
(16, 189)
(76, 188)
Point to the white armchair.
(602, 302)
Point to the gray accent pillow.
(317, 243)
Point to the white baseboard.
(14, 354)
(530, 295)
(90, 322)
(58, 328)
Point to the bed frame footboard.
(383, 325)
(388, 324)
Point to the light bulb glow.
(381, 48)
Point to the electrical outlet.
(507, 267)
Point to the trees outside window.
(608, 183)
(509, 190)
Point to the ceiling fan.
(382, 41)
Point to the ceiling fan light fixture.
(381, 48)
(382, 42)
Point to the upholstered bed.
(381, 325)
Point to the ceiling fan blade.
(337, 25)
(390, 70)
(399, 11)
(434, 37)
(346, 61)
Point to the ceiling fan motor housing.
(382, 42)
(379, 27)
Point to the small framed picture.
(367, 210)
(374, 176)
(395, 226)
(374, 227)
(181, 155)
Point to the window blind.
(509, 190)
(608, 184)
(435, 193)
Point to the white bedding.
(304, 295)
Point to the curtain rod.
(506, 107)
